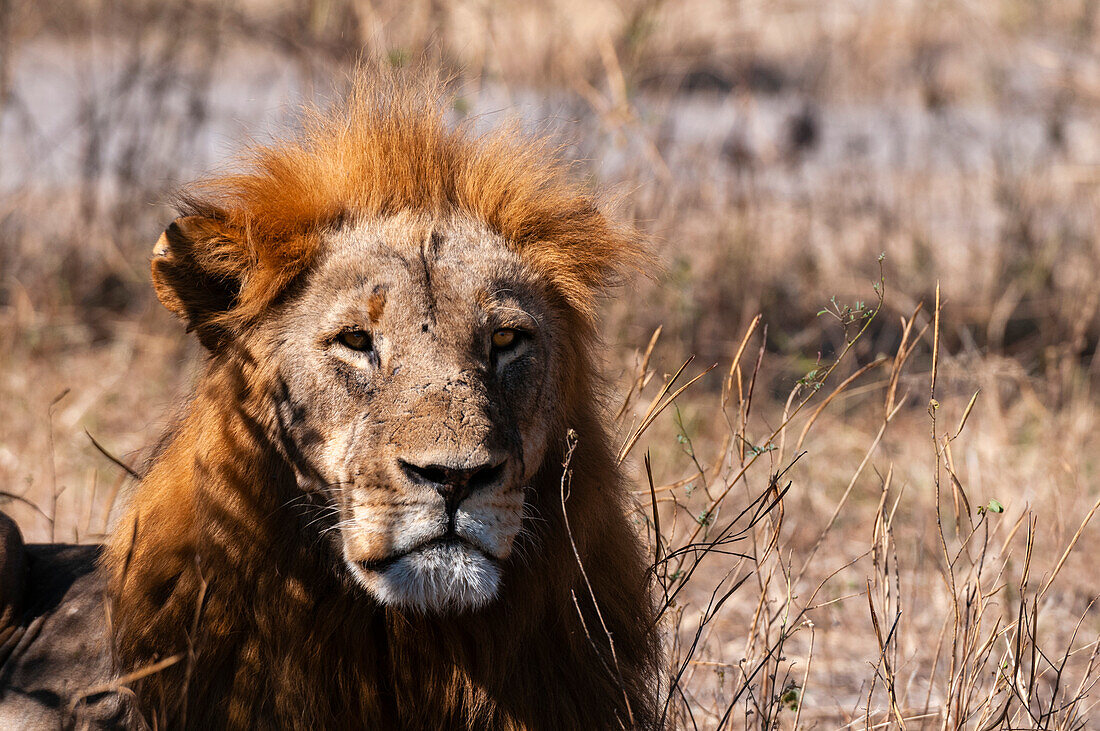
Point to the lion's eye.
(355, 339)
(505, 338)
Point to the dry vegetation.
(875, 510)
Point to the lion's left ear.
(198, 267)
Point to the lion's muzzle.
(435, 538)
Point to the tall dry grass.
(884, 608)
(872, 505)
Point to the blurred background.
(773, 151)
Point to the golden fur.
(214, 573)
(386, 149)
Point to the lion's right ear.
(198, 266)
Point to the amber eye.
(354, 339)
(505, 338)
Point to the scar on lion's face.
(424, 426)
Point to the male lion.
(392, 501)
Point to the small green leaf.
(995, 506)
(791, 697)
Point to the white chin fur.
(451, 577)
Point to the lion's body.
(380, 534)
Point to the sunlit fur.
(226, 564)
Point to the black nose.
(455, 484)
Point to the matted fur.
(212, 569)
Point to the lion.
(392, 501)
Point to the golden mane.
(387, 148)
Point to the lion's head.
(417, 366)
(419, 355)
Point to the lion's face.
(415, 368)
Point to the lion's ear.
(198, 266)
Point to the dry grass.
(831, 550)
(903, 596)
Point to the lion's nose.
(454, 484)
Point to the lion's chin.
(444, 578)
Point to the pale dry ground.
(773, 150)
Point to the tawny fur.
(213, 567)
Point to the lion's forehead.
(401, 246)
(452, 276)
